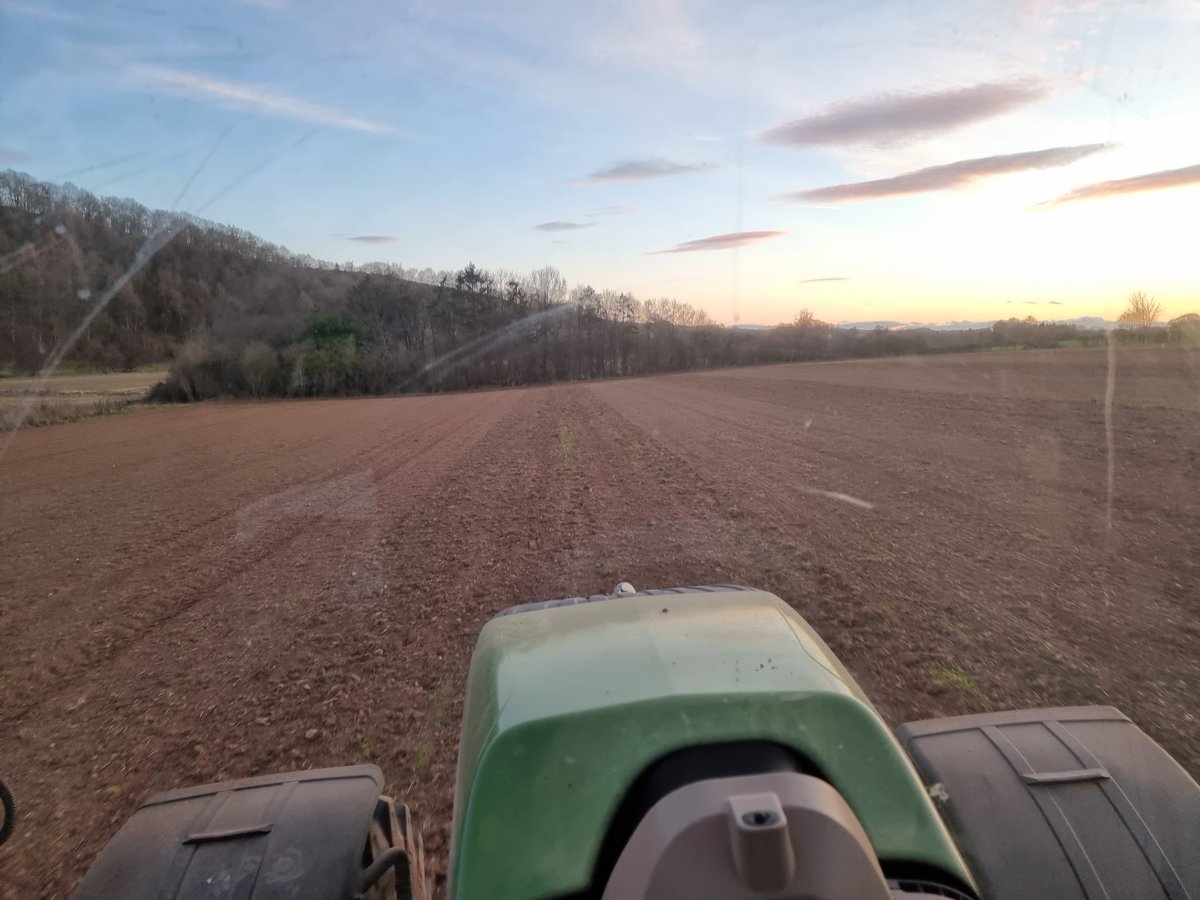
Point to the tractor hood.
(568, 703)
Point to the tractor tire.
(9, 804)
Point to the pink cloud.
(896, 116)
(723, 241)
(951, 175)
(1154, 181)
(642, 170)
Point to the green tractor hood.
(568, 704)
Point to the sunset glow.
(972, 162)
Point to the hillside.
(110, 284)
(62, 248)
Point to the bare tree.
(806, 318)
(1141, 310)
(547, 287)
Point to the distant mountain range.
(960, 325)
(965, 325)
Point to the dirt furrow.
(234, 589)
(987, 551)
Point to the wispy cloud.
(817, 280)
(951, 175)
(373, 238)
(43, 12)
(11, 157)
(723, 241)
(563, 226)
(245, 96)
(897, 116)
(659, 35)
(1154, 181)
(620, 209)
(642, 170)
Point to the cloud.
(620, 209)
(951, 175)
(373, 238)
(244, 96)
(659, 36)
(11, 157)
(723, 241)
(44, 13)
(642, 170)
(1154, 181)
(563, 226)
(816, 280)
(1054, 302)
(896, 116)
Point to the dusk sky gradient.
(915, 162)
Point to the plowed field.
(228, 589)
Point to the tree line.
(237, 315)
(62, 249)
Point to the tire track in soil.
(561, 505)
(349, 639)
(960, 561)
(744, 538)
(173, 588)
(363, 631)
(157, 710)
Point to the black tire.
(10, 812)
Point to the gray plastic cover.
(1064, 803)
(773, 835)
(296, 835)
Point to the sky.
(910, 161)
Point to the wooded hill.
(238, 315)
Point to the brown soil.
(186, 594)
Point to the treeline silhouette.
(239, 316)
